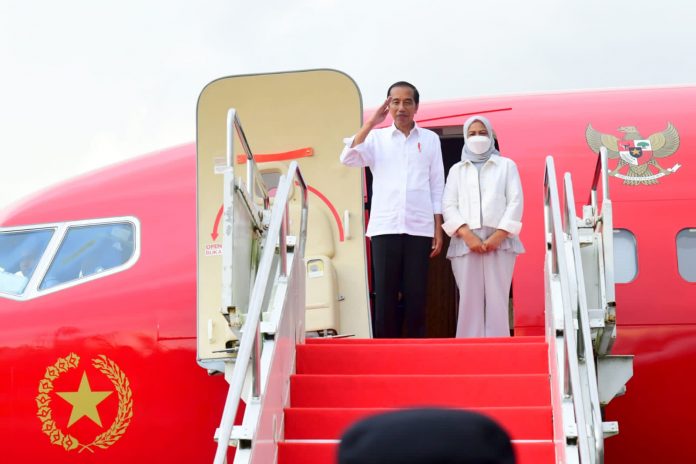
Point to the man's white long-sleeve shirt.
(491, 197)
(408, 179)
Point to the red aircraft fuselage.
(143, 319)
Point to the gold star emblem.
(635, 151)
(84, 401)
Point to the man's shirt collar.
(416, 129)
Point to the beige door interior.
(301, 116)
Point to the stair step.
(326, 453)
(522, 423)
(341, 381)
(427, 341)
(390, 391)
(470, 358)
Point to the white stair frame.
(580, 338)
(265, 357)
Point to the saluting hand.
(376, 119)
(381, 113)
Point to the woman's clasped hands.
(477, 245)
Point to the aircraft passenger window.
(625, 256)
(686, 254)
(19, 254)
(90, 250)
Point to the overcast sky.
(87, 83)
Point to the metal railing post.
(283, 243)
(256, 364)
(585, 353)
(250, 343)
(572, 383)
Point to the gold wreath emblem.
(125, 404)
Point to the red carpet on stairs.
(325, 453)
(340, 381)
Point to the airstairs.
(340, 381)
(300, 394)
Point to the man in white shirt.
(406, 214)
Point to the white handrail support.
(278, 287)
(565, 342)
(587, 371)
(580, 337)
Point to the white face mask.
(478, 144)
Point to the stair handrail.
(254, 177)
(602, 219)
(250, 340)
(585, 348)
(233, 188)
(600, 173)
(563, 318)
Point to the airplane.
(98, 274)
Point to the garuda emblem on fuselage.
(637, 153)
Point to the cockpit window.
(89, 250)
(20, 252)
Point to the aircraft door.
(300, 116)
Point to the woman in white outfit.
(482, 209)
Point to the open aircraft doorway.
(301, 116)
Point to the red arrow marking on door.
(217, 224)
(322, 197)
(332, 208)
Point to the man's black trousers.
(400, 267)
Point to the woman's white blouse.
(489, 198)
